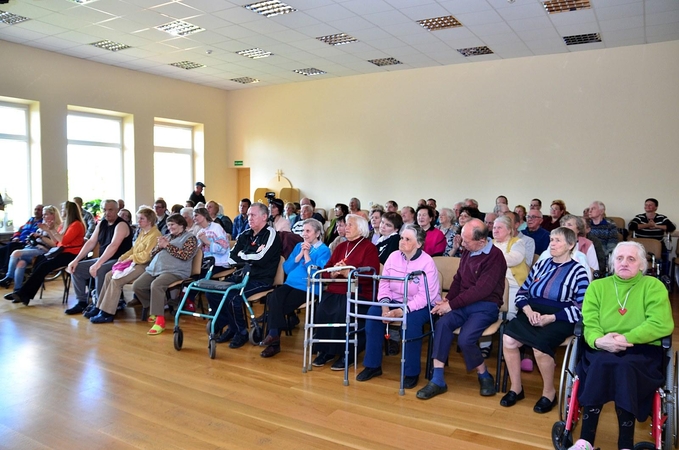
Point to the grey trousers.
(81, 277)
(111, 289)
(150, 290)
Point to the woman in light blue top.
(288, 297)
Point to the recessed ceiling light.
(310, 72)
(245, 80)
(557, 6)
(440, 23)
(110, 45)
(188, 65)
(255, 53)
(180, 28)
(582, 39)
(475, 51)
(337, 39)
(11, 19)
(385, 61)
(270, 8)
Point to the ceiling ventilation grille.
(310, 72)
(245, 80)
(557, 6)
(180, 28)
(188, 65)
(385, 61)
(440, 23)
(582, 39)
(255, 53)
(270, 8)
(110, 45)
(11, 19)
(337, 39)
(475, 51)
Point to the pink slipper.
(526, 365)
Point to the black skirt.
(628, 378)
(545, 339)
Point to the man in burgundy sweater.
(472, 303)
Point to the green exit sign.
(238, 163)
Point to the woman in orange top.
(70, 238)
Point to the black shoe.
(487, 386)
(322, 359)
(368, 373)
(102, 317)
(225, 336)
(9, 296)
(16, 298)
(410, 382)
(544, 405)
(511, 397)
(88, 308)
(431, 390)
(339, 364)
(270, 340)
(77, 309)
(393, 347)
(270, 351)
(6, 282)
(91, 312)
(122, 304)
(238, 340)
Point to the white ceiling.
(384, 28)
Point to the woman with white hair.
(356, 251)
(624, 316)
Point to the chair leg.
(498, 369)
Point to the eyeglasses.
(533, 217)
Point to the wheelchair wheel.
(644, 446)
(255, 334)
(570, 360)
(561, 439)
(669, 404)
(212, 348)
(208, 327)
(178, 338)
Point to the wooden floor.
(70, 384)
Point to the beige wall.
(580, 126)
(57, 82)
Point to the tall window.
(95, 156)
(14, 154)
(173, 162)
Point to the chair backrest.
(440, 284)
(618, 221)
(197, 263)
(505, 298)
(652, 246)
(535, 259)
(279, 279)
(448, 267)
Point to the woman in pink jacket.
(409, 258)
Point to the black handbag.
(54, 252)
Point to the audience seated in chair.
(473, 303)
(287, 298)
(129, 266)
(20, 237)
(260, 247)
(172, 259)
(70, 239)
(114, 237)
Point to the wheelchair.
(223, 288)
(664, 425)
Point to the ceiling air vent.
(582, 39)
(475, 51)
(440, 23)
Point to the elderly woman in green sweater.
(624, 318)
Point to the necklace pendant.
(622, 311)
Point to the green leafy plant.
(94, 207)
